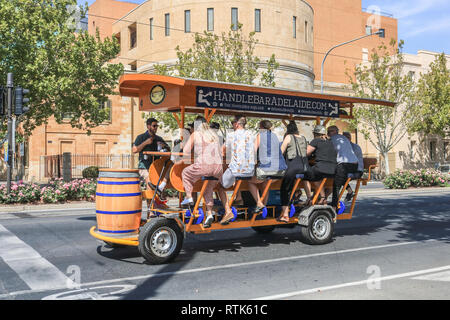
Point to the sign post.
(9, 87)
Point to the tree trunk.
(386, 163)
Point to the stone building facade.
(298, 32)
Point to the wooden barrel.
(118, 202)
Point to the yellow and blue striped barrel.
(118, 203)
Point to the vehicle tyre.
(320, 228)
(264, 229)
(160, 240)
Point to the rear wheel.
(160, 240)
(320, 228)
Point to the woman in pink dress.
(207, 163)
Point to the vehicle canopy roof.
(174, 94)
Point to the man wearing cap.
(347, 162)
(149, 141)
(324, 161)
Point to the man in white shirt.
(240, 145)
(358, 152)
(347, 162)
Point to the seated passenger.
(325, 160)
(207, 163)
(294, 145)
(358, 152)
(240, 146)
(347, 162)
(270, 161)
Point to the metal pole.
(9, 86)
(338, 45)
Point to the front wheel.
(160, 240)
(320, 228)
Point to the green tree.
(227, 58)
(431, 114)
(66, 70)
(383, 78)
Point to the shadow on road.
(415, 218)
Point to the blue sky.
(422, 24)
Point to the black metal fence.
(52, 166)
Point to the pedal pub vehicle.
(160, 236)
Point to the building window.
(187, 20)
(210, 18)
(365, 55)
(382, 33)
(411, 75)
(306, 31)
(133, 36)
(446, 151)
(151, 28)
(133, 66)
(167, 24)
(368, 30)
(294, 27)
(432, 150)
(234, 18)
(107, 105)
(257, 20)
(412, 150)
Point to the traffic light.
(21, 102)
(2, 102)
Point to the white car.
(445, 169)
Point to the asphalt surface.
(397, 246)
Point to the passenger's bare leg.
(307, 187)
(224, 198)
(254, 190)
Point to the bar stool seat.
(300, 176)
(209, 178)
(244, 177)
(351, 175)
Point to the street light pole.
(379, 32)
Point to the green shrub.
(415, 178)
(90, 172)
(56, 191)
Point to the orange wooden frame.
(180, 97)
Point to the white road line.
(30, 266)
(441, 276)
(229, 266)
(350, 284)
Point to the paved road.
(397, 246)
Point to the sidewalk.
(85, 205)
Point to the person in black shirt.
(325, 160)
(149, 141)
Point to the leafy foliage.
(226, 58)
(415, 178)
(90, 172)
(66, 70)
(56, 191)
(383, 78)
(431, 115)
